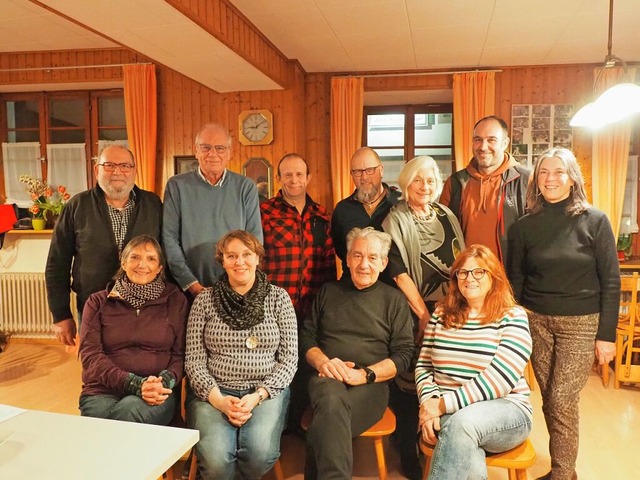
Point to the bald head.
(366, 171)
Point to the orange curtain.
(346, 130)
(610, 155)
(474, 97)
(140, 106)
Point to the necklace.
(252, 341)
(423, 218)
(372, 202)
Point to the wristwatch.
(370, 374)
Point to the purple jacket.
(115, 340)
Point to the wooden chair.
(516, 460)
(627, 365)
(529, 376)
(190, 458)
(385, 426)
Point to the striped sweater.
(476, 362)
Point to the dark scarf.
(137, 295)
(241, 312)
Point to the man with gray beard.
(91, 232)
(367, 206)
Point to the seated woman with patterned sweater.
(132, 341)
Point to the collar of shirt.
(220, 181)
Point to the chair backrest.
(628, 301)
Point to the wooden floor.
(45, 377)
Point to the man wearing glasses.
(202, 206)
(367, 206)
(91, 232)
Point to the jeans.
(128, 409)
(489, 426)
(228, 452)
(563, 352)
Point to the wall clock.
(255, 127)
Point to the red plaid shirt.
(299, 255)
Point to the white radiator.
(24, 310)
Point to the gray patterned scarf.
(241, 312)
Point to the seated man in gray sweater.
(357, 337)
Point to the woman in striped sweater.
(473, 396)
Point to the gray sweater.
(197, 214)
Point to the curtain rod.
(28, 69)
(413, 74)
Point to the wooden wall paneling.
(318, 148)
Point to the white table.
(54, 446)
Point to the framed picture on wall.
(184, 163)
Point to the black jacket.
(83, 246)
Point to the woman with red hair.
(473, 395)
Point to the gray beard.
(368, 196)
(114, 194)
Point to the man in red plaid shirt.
(299, 255)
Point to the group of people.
(426, 319)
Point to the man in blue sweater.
(202, 206)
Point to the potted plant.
(47, 202)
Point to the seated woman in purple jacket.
(132, 341)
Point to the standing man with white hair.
(89, 235)
(201, 206)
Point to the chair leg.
(277, 470)
(605, 375)
(427, 464)
(518, 473)
(193, 467)
(382, 465)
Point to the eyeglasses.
(111, 167)
(206, 148)
(357, 172)
(477, 273)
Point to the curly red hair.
(454, 307)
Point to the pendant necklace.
(252, 341)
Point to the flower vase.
(38, 223)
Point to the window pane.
(22, 114)
(112, 134)
(385, 130)
(67, 113)
(393, 161)
(66, 136)
(433, 129)
(111, 111)
(442, 156)
(23, 136)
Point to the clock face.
(255, 127)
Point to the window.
(401, 133)
(55, 134)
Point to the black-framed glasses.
(111, 167)
(477, 273)
(357, 172)
(206, 148)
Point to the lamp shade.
(617, 103)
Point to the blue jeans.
(128, 409)
(229, 452)
(490, 426)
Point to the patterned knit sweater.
(476, 362)
(218, 356)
